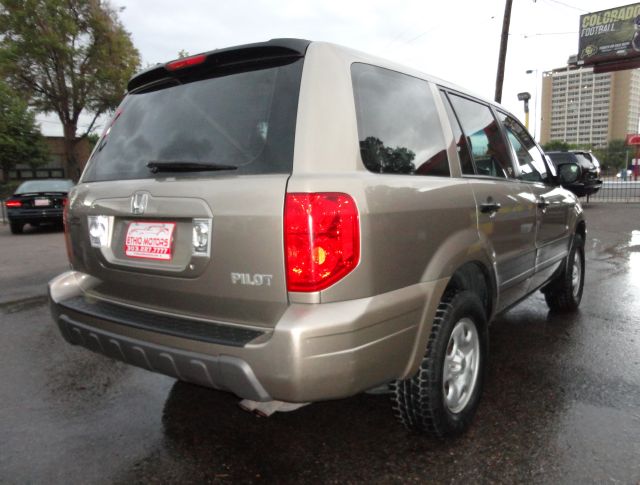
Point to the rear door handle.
(489, 207)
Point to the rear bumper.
(582, 189)
(35, 215)
(315, 352)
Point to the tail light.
(13, 203)
(322, 239)
(67, 235)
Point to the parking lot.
(561, 403)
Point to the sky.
(456, 40)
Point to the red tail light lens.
(13, 203)
(67, 235)
(186, 62)
(322, 239)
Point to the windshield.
(243, 119)
(44, 186)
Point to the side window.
(398, 124)
(463, 149)
(532, 167)
(488, 148)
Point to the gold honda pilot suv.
(294, 221)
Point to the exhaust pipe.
(266, 409)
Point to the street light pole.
(525, 97)
(535, 102)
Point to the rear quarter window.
(399, 128)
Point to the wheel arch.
(461, 266)
(476, 277)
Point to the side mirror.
(568, 173)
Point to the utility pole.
(503, 50)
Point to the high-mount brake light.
(322, 239)
(186, 62)
(13, 203)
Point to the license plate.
(149, 240)
(42, 202)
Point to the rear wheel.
(564, 293)
(16, 227)
(442, 398)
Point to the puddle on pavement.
(23, 304)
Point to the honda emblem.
(139, 202)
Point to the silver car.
(295, 221)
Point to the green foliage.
(383, 159)
(563, 146)
(6, 189)
(66, 56)
(614, 155)
(556, 146)
(93, 139)
(20, 138)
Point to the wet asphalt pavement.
(561, 402)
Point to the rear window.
(44, 186)
(562, 157)
(244, 119)
(584, 160)
(398, 124)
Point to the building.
(581, 107)
(55, 167)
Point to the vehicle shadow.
(29, 229)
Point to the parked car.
(625, 174)
(37, 202)
(581, 166)
(294, 235)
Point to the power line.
(543, 34)
(398, 38)
(568, 6)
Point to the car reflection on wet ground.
(561, 403)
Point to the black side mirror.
(568, 173)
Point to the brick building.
(55, 167)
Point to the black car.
(37, 202)
(584, 168)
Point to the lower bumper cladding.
(220, 372)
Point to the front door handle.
(542, 203)
(489, 207)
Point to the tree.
(380, 158)
(614, 155)
(20, 138)
(67, 56)
(556, 146)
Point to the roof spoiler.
(273, 50)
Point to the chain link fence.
(617, 187)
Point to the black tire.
(564, 293)
(16, 227)
(419, 402)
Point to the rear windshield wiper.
(156, 167)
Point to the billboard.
(611, 35)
